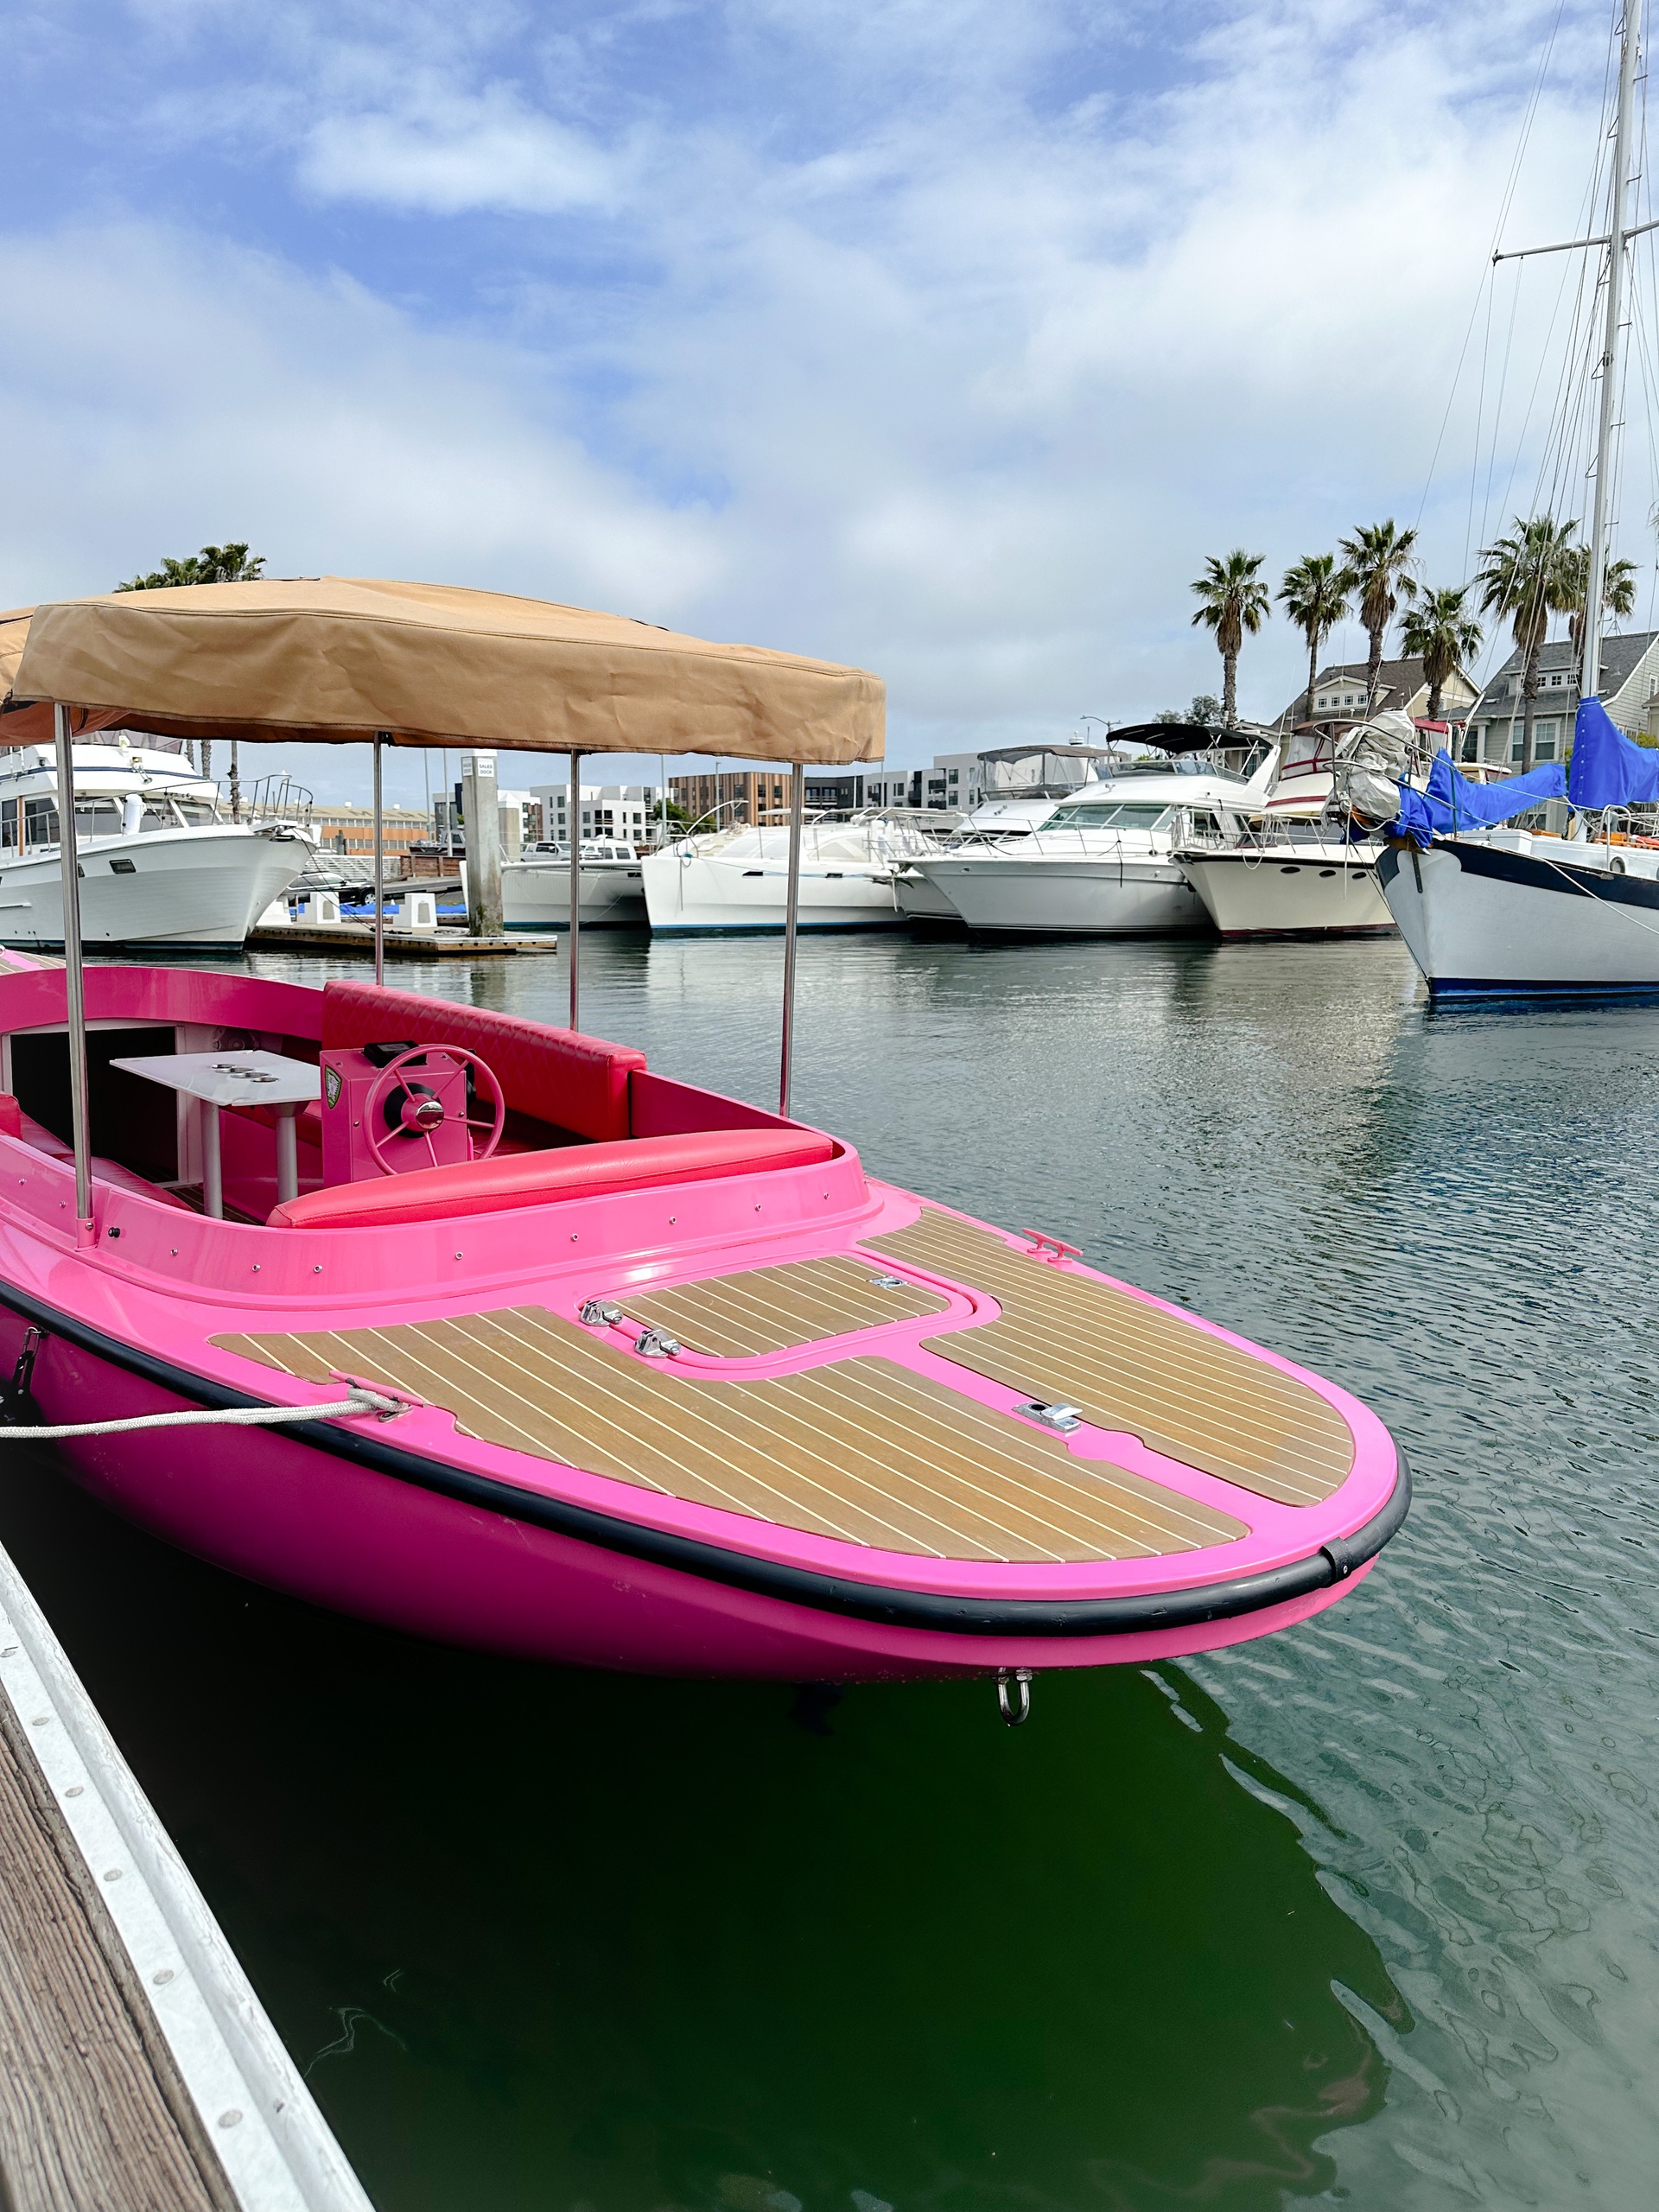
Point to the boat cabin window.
(1096, 814)
(97, 817)
(194, 813)
(39, 821)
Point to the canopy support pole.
(379, 867)
(791, 917)
(74, 978)
(574, 825)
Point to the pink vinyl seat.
(537, 1178)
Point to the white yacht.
(161, 864)
(922, 899)
(1276, 880)
(737, 880)
(1099, 863)
(536, 888)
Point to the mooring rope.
(359, 1401)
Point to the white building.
(632, 812)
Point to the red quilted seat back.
(557, 1075)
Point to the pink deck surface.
(166, 1280)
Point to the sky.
(946, 337)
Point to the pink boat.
(656, 1380)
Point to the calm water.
(1364, 1914)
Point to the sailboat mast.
(1617, 237)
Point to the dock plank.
(94, 2117)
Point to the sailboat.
(1490, 907)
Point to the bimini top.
(334, 659)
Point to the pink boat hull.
(414, 1524)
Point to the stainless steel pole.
(379, 869)
(73, 977)
(791, 916)
(1624, 157)
(574, 827)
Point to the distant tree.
(1441, 633)
(214, 564)
(1617, 594)
(1204, 712)
(1315, 598)
(1377, 567)
(1234, 603)
(1529, 576)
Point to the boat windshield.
(1099, 814)
(592, 849)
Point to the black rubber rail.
(795, 1586)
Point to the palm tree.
(1315, 598)
(1617, 594)
(1529, 575)
(1377, 562)
(214, 564)
(1235, 602)
(1443, 634)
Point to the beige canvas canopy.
(334, 659)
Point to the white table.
(216, 1079)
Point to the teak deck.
(778, 1309)
(1126, 1366)
(860, 1449)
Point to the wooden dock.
(138, 2072)
(400, 944)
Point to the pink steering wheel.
(419, 1114)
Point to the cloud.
(442, 154)
(160, 390)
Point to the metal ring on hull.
(1333, 1562)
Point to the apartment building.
(351, 828)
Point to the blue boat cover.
(1453, 803)
(1607, 769)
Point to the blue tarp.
(1453, 803)
(1607, 769)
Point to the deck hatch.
(1125, 1364)
(757, 1310)
(861, 1450)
